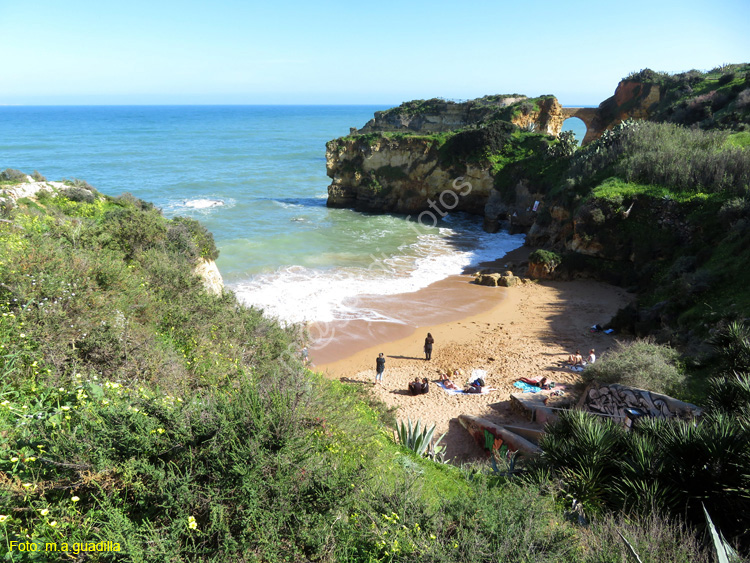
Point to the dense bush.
(12, 175)
(475, 144)
(642, 364)
(667, 155)
(192, 238)
(732, 348)
(78, 194)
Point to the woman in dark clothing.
(428, 342)
(379, 368)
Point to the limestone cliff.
(406, 158)
(210, 275)
(401, 175)
(437, 156)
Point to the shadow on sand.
(405, 358)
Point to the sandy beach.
(524, 331)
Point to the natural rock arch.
(589, 116)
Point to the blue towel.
(527, 388)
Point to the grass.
(616, 190)
(741, 139)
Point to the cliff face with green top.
(406, 157)
(658, 201)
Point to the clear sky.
(353, 52)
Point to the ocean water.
(255, 176)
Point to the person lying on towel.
(537, 382)
(447, 383)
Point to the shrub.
(565, 147)
(582, 449)
(132, 231)
(734, 209)
(743, 99)
(193, 238)
(546, 257)
(642, 364)
(655, 537)
(689, 160)
(78, 194)
(477, 144)
(12, 175)
(38, 177)
(730, 395)
(732, 348)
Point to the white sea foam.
(299, 294)
(201, 204)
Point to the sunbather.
(538, 382)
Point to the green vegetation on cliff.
(136, 408)
(719, 98)
(670, 205)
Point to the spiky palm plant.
(732, 345)
(639, 487)
(583, 450)
(706, 462)
(730, 394)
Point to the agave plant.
(419, 439)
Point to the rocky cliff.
(401, 175)
(406, 158)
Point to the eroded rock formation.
(398, 163)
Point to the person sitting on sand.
(591, 357)
(415, 387)
(572, 358)
(575, 359)
(425, 385)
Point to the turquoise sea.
(255, 176)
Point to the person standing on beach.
(379, 368)
(428, 342)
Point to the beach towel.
(526, 387)
(449, 391)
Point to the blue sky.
(386, 52)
